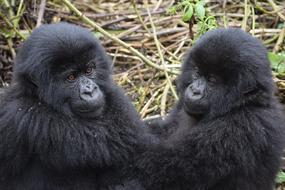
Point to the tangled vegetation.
(147, 39)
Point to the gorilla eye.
(212, 79)
(71, 77)
(89, 70)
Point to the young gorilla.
(237, 139)
(64, 124)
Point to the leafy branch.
(195, 11)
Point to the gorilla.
(64, 124)
(227, 130)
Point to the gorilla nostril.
(87, 93)
(196, 92)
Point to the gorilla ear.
(248, 85)
(249, 88)
(27, 84)
(26, 80)
(32, 81)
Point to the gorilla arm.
(176, 121)
(198, 157)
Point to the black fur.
(43, 146)
(235, 145)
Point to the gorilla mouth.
(85, 109)
(88, 113)
(194, 108)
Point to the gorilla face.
(196, 101)
(79, 90)
(68, 71)
(200, 91)
(207, 90)
(218, 75)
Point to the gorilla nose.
(89, 89)
(197, 87)
(196, 90)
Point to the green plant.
(277, 62)
(195, 11)
(280, 177)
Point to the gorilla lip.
(85, 111)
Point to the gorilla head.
(64, 123)
(225, 69)
(67, 70)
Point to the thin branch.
(280, 40)
(148, 103)
(275, 8)
(246, 14)
(139, 16)
(115, 39)
(10, 10)
(41, 12)
(164, 100)
(253, 19)
(157, 43)
(12, 26)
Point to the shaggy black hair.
(236, 142)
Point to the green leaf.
(280, 25)
(188, 14)
(172, 10)
(200, 10)
(185, 3)
(280, 177)
(277, 62)
(203, 2)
